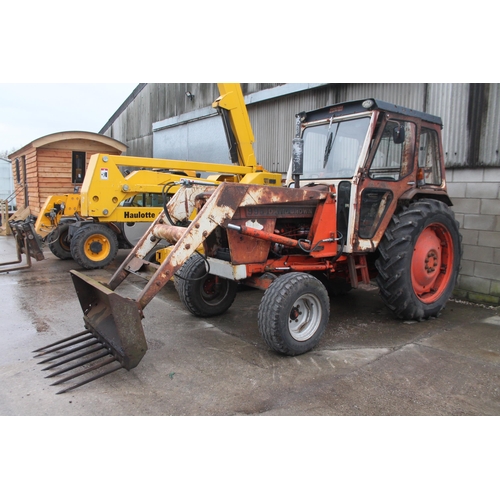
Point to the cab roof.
(353, 107)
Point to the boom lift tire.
(203, 294)
(293, 313)
(60, 245)
(94, 246)
(419, 260)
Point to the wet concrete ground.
(368, 363)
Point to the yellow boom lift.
(121, 196)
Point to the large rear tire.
(419, 260)
(203, 294)
(60, 245)
(293, 313)
(94, 246)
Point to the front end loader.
(367, 202)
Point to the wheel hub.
(294, 313)
(304, 317)
(96, 247)
(210, 287)
(431, 262)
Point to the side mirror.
(398, 134)
(297, 156)
(297, 160)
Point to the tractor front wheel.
(419, 260)
(293, 313)
(94, 246)
(203, 294)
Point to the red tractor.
(366, 200)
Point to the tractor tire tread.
(270, 319)
(395, 253)
(188, 289)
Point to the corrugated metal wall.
(273, 122)
(158, 101)
(471, 115)
(450, 102)
(489, 154)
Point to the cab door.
(390, 171)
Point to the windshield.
(332, 150)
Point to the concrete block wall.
(475, 194)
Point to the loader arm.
(218, 210)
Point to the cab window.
(393, 159)
(428, 157)
(332, 150)
(144, 200)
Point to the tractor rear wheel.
(293, 313)
(203, 294)
(419, 260)
(94, 246)
(60, 245)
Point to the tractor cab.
(377, 156)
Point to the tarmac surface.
(367, 363)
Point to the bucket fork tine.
(77, 365)
(64, 346)
(73, 358)
(112, 323)
(62, 341)
(90, 379)
(87, 370)
(75, 349)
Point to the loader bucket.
(113, 327)
(113, 319)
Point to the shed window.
(18, 172)
(78, 167)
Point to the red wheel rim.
(432, 263)
(209, 286)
